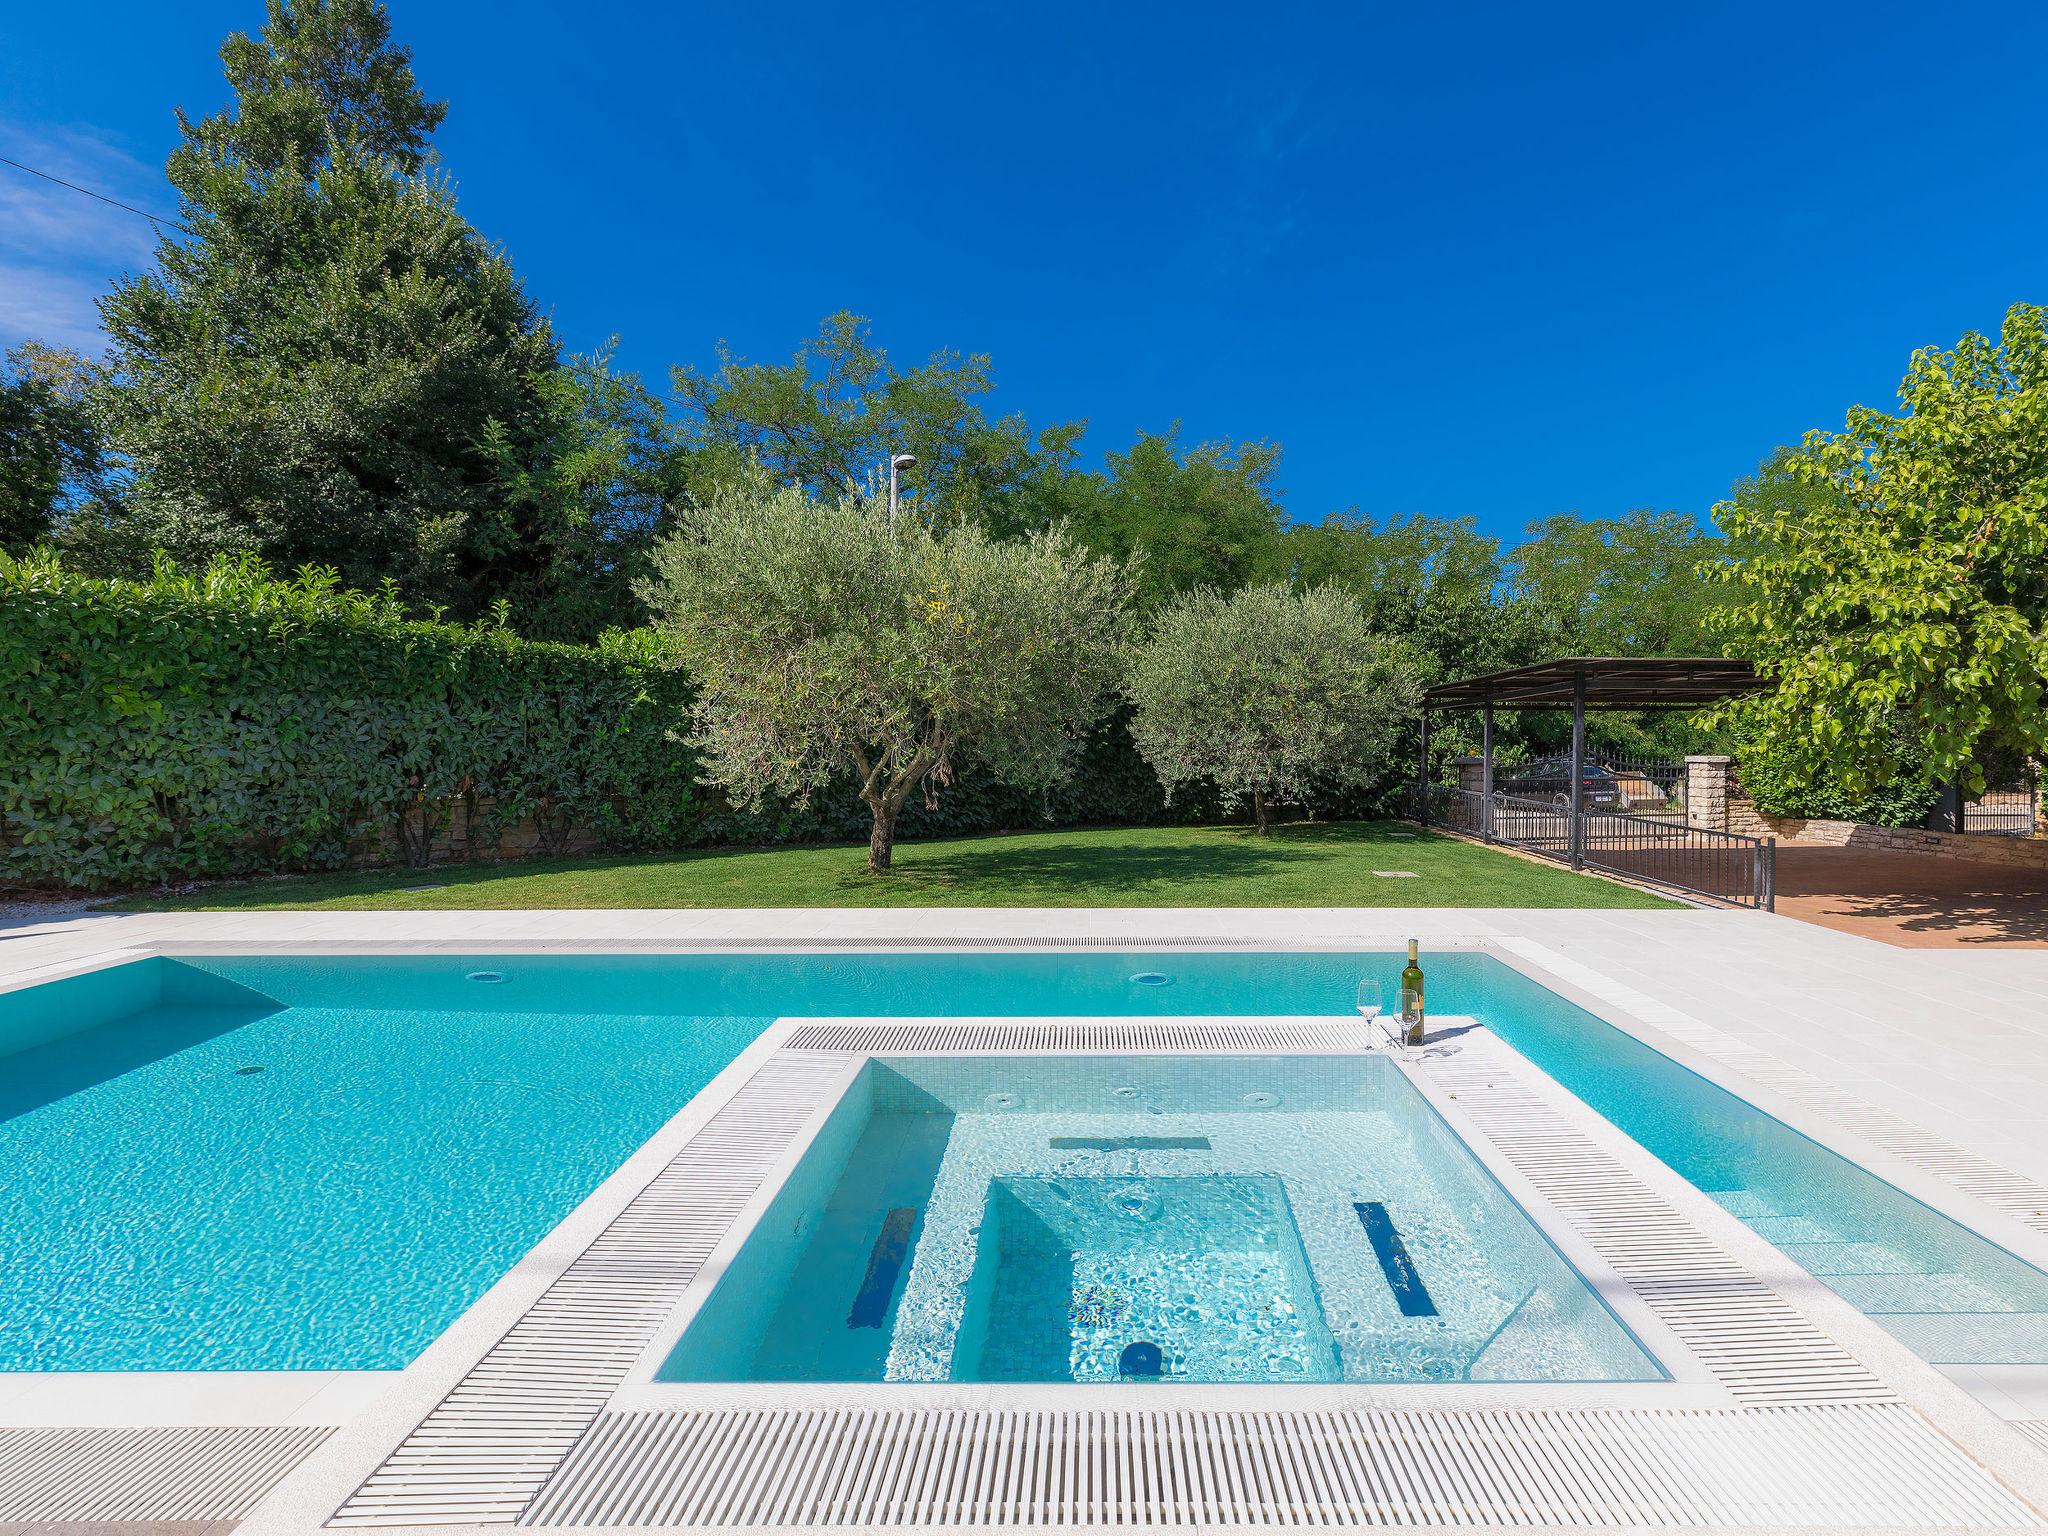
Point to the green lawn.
(1303, 865)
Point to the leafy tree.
(1438, 583)
(323, 74)
(599, 473)
(1622, 586)
(333, 367)
(1441, 587)
(50, 454)
(829, 419)
(1900, 603)
(1203, 516)
(821, 637)
(1398, 570)
(1268, 693)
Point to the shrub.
(224, 721)
(1781, 784)
(1269, 694)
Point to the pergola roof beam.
(1610, 682)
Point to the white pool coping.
(344, 1475)
(397, 1400)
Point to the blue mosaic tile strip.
(885, 1267)
(1409, 1292)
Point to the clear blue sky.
(1501, 260)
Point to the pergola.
(1582, 684)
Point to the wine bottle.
(1411, 997)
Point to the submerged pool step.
(1784, 1231)
(1913, 1293)
(1971, 1338)
(1746, 1204)
(1130, 1143)
(1851, 1258)
(885, 1268)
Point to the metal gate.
(2007, 812)
(1651, 850)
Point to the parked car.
(1550, 778)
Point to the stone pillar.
(1709, 786)
(1472, 775)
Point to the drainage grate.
(1758, 1346)
(811, 1469)
(483, 1453)
(1123, 1034)
(55, 1478)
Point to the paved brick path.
(1912, 900)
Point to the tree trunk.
(1262, 815)
(882, 839)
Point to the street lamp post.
(898, 462)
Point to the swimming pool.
(1105, 1218)
(316, 1162)
(205, 1180)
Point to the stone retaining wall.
(451, 842)
(1715, 800)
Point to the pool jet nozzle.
(1140, 1361)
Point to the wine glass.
(1369, 1003)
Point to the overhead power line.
(112, 202)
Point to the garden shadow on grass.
(1095, 869)
(1119, 866)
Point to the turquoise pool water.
(409, 1132)
(1226, 1219)
(217, 1183)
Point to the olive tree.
(822, 637)
(1268, 693)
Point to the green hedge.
(226, 722)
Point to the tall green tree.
(1196, 517)
(830, 418)
(51, 459)
(322, 76)
(1899, 601)
(1621, 586)
(332, 366)
(825, 636)
(600, 473)
(1438, 585)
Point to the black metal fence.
(2008, 812)
(1646, 786)
(1631, 786)
(1721, 866)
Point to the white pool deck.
(1928, 1066)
